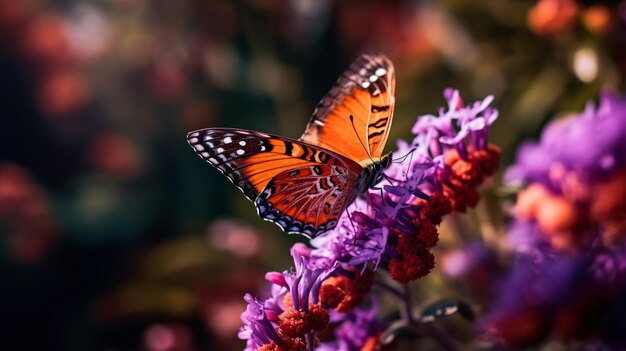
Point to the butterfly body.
(304, 185)
(372, 174)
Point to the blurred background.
(114, 235)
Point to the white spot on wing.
(240, 152)
(193, 140)
(376, 92)
(262, 148)
(381, 72)
(198, 147)
(205, 154)
(373, 78)
(208, 137)
(228, 140)
(219, 150)
(365, 84)
(195, 134)
(319, 123)
(242, 143)
(212, 160)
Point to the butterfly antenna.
(410, 162)
(367, 151)
(403, 157)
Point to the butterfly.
(304, 185)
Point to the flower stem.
(390, 289)
(310, 342)
(446, 342)
(407, 305)
(460, 229)
(429, 329)
(405, 297)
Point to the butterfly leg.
(353, 226)
(382, 194)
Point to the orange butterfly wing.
(300, 187)
(357, 111)
(308, 200)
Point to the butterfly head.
(372, 174)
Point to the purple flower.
(591, 144)
(355, 329)
(304, 283)
(278, 323)
(452, 128)
(549, 293)
(351, 243)
(347, 245)
(577, 175)
(274, 305)
(535, 291)
(609, 265)
(257, 330)
(473, 259)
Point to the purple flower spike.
(473, 121)
(306, 279)
(274, 305)
(276, 278)
(256, 329)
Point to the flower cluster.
(300, 304)
(569, 271)
(393, 227)
(577, 183)
(396, 227)
(357, 330)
